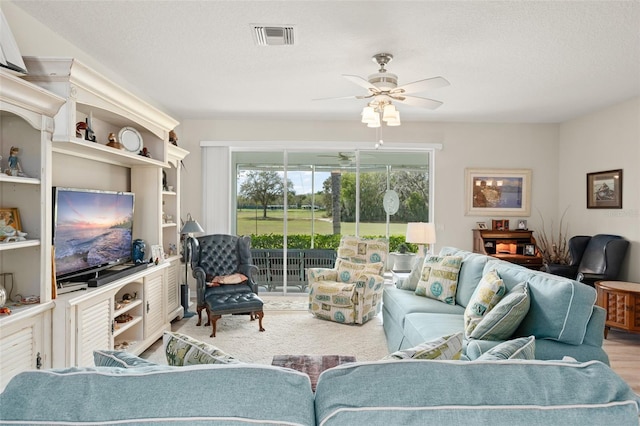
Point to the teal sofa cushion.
(502, 321)
(421, 327)
(509, 392)
(560, 309)
(399, 303)
(196, 394)
(520, 348)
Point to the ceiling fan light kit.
(383, 88)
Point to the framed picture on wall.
(604, 190)
(491, 192)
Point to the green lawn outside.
(299, 222)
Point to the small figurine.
(89, 135)
(173, 138)
(113, 142)
(14, 165)
(145, 152)
(80, 127)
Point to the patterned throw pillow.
(182, 350)
(486, 295)
(348, 272)
(362, 250)
(521, 348)
(439, 279)
(446, 347)
(502, 321)
(119, 359)
(373, 268)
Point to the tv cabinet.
(127, 314)
(38, 113)
(508, 245)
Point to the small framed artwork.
(157, 253)
(500, 224)
(481, 225)
(522, 224)
(604, 190)
(529, 249)
(9, 222)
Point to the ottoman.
(218, 304)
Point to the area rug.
(285, 303)
(287, 332)
(311, 365)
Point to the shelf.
(124, 326)
(173, 193)
(19, 244)
(127, 307)
(169, 225)
(105, 154)
(16, 179)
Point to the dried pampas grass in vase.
(554, 248)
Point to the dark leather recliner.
(222, 255)
(593, 258)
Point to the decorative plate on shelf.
(131, 139)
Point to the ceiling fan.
(383, 87)
(344, 159)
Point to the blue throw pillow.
(119, 359)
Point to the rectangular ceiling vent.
(273, 35)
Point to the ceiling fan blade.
(417, 101)
(339, 97)
(361, 82)
(422, 85)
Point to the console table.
(622, 302)
(517, 246)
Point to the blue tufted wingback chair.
(220, 255)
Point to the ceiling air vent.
(273, 35)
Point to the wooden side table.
(622, 302)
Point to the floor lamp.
(190, 227)
(421, 233)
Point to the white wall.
(605, 140)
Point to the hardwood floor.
(623, 349)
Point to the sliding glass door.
(297, 204)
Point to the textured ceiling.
(507, 61)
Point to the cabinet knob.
(38, 361)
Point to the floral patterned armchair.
(350, 292)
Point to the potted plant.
(402, 259)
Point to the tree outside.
(265, 188)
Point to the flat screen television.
(92, 231)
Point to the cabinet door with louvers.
(94, 329)
(155, 317)
(21, 348)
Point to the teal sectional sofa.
(562, 315)
(415, 392)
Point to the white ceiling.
(507, 61)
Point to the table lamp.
(190, 227)
(421, 233)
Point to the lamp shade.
(191, 226)
(421, 233)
